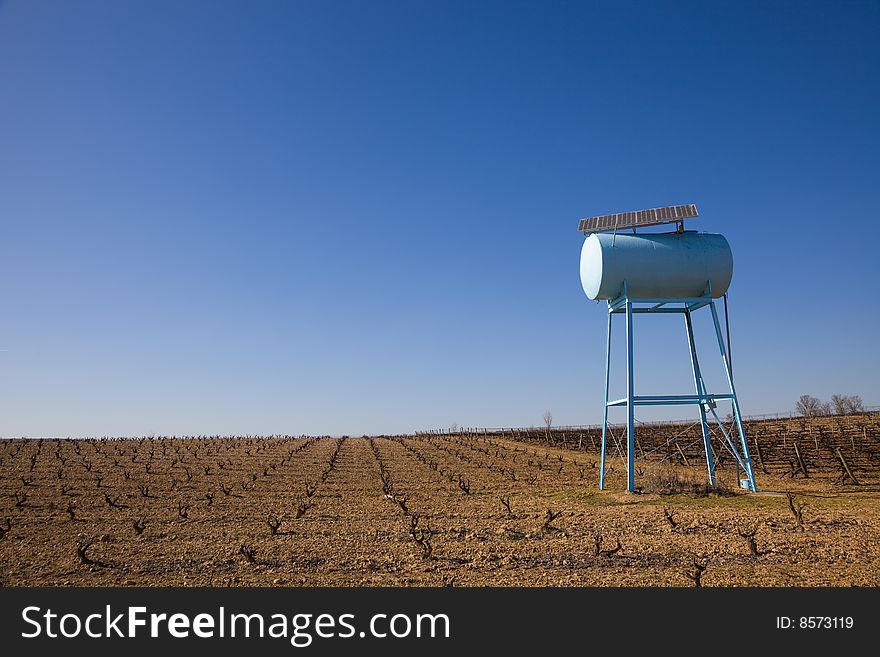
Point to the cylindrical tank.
(655, 265)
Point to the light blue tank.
(655, 265)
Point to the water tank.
(655, 265)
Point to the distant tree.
(548, 422)
(809, 406)
(847, 404)
(856, 405)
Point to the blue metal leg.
(701, 390)
(605, 404)
(630, 406)
(736, 413)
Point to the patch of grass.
(713, 500)
(621, 498)
(606, 498)
(578, 496)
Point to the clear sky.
(360, 217)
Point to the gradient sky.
(360, 217)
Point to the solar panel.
(653, 217)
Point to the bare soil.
(409, 511)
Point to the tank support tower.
(704, 400)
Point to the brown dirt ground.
(354, 534)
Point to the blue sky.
(352, 217)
